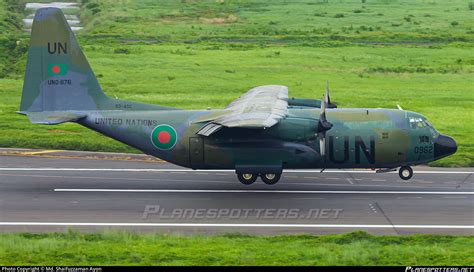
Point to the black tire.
(405, 172)
(247, 178)
(270, 178)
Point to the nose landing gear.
(405, 172)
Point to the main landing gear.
(247, 178)
(270, 178)
(267, 178)
(405, 172)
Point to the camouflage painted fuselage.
(360, 138)
(264, 131)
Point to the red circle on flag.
(56, 69)
(164, 137)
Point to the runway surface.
(53, 194)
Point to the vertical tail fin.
(58, 76)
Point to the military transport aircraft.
(259, 134)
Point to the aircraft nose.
(444, 146)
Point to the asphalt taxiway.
(53, 193)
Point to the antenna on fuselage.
(398, 106)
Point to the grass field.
(198, 54)
(124, 248)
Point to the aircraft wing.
(259, 108)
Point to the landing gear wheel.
(270, 178)
(247, 178)
(405, 172)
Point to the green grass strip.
(130, 248)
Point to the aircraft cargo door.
(196, 151)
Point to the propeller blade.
(323, 123)
(323, 108)
(328, 99)
(323, 126)
(322, 146)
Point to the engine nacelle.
(306, 102)
(295, 129)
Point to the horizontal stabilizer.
(52, 117)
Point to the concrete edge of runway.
(244, 225)
(76, 154)
(62, 169)
(112, 156)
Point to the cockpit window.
(416, 123)
(428, 124)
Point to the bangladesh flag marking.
(164, 137)
(57, 69)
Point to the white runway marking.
(379, 180)
(93, 224)
(114, 178)
(190, 170)
(260, 191)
